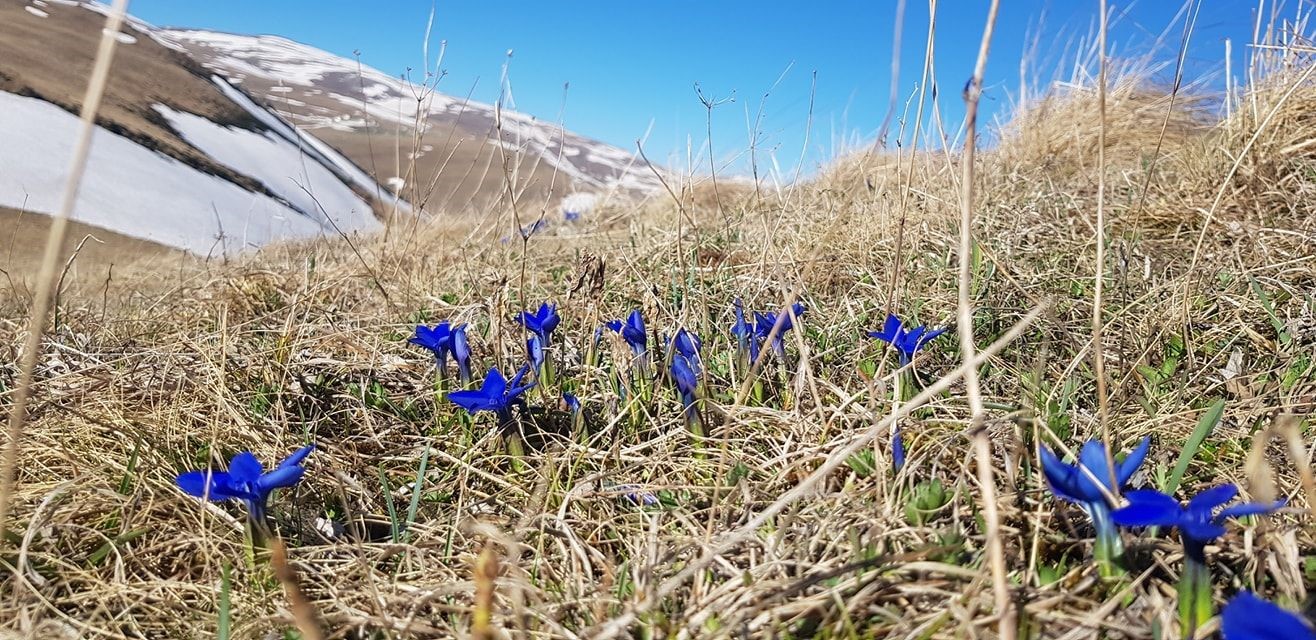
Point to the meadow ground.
(413, 521)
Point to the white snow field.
(138, 192)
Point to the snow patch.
(276, 163)
(138, 192)
(36, 12)
(122, 37)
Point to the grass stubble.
(769, 528)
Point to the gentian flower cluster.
(444, 340)
(1088, 483)
(246, 480)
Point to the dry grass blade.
(303, 612)
(978, 427)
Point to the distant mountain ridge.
(213, 143)
(337, 97)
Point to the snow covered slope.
(180, 157)
(322, 91)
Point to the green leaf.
(416, 490)
(1208, 421)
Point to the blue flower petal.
(897, 448)
(1248, 617)
(280, 478)
(203, 484)
(1129, 465)
(1248, 509)
(244, 469)
(1212, 498)
(297, 457)
(890, 329)
(494, 383)
(1148, 508)
(572, 402)
(1059, 476)
(909, 342)
(1093, 458)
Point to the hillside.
(446, 152)
(212, 171)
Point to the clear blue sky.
(632, 64)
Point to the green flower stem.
(1195, 606)
(1109, 547)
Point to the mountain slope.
(180, 157)
(458, 146)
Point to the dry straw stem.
(44, 295)
(978, 427)
(303, 612)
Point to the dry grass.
(307, 343)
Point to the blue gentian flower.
(443, 340)
(742, 331)
(686, 344)
(1068, 481)
(1200, 522)
(1072, 482)
(686, 379)
(635, 496)
(572, 403)
(541, 322)
(246, 480)
(533, 228)
(632, 330)
(461, 352)
(496, 394)
(906, 341)
(764, 322)
(534, 348)
(897, 448)
(1248, 617)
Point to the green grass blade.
(1207, 422)
(416, 491)
(126, 482)
(225, 626)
